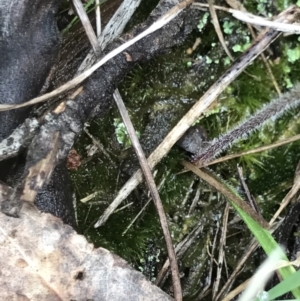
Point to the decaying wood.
(162, 21)
(21, 137)
(68, 118)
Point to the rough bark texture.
(95, 96)
(29, 46)
(92, 98)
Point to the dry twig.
(154, 193)
(255, 150)
(218, 28)
(221, 251)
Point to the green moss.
(168, 86)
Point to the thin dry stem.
(218, 28)
(154, 193)
(87, 25)
(255, 150)
(98, 17)
(237, 290)
(221, 251)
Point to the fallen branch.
(162, 21)
(20, 138)
(70, 115)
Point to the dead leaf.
(73, 160)
(128, 56)
(44, 259)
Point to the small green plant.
(292, 282)
(121, 133)
(208, 60)
(203, 21)
(226, 61)
(228, 27)
(242, 47)
(263, 7)
(88, 8)
(293, 54)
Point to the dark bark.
(93, 98)
(29, 47)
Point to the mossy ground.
(179, 79)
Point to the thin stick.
(290, 195)
(221, 251)
(89, 197)
(101, 148)
(251, 248)
(98, 17)
(87, 25)
(154, 193)
(145, 206)
(253, 19)
(250, 199)
(237, 290)
(255, 150)
(180, 249)
(136, 217)
(204, 291)
(188, 193)
(162, 21)
(124, 207)
(195, 199)
(218, 28)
